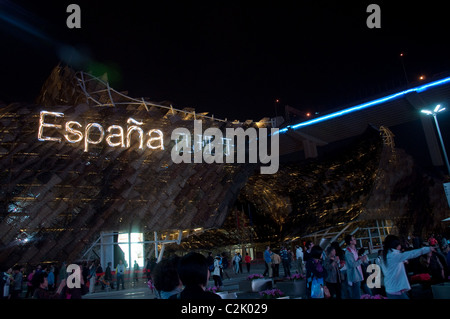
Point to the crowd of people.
(330, 273)
(333, 272)
(343, 273)
(49, 281)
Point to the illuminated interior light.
(363, 106)
(42, 124)
(118, 135)
(70, 130)
(160, 138)
(87, 139)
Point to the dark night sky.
(231, 58)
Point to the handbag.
(326, 292)
(317, 290)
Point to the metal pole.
(442, 143)
(129, 250)
(156, 245)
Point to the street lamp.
(437, 110)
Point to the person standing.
(248, 260)
(268, 262)
(236, 261)
(240, 262)
(299, 259)
(63, 272)
(225, 265)
(216, 272)
(17, 284)
(135, 272)
(30, 286)
(210, 260)
(334, 278)
(108, 276)
(51, 278)
(392, 265)
(307, 254)
(286, 260)
(276, 261)
(120, 273)
(354, 271)
(92, 277)
(315, 274)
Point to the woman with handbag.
(315, 274)
(334, 276)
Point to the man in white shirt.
(299, 257)
(120, 273)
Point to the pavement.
(141, 291)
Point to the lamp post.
(437, 110)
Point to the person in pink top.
(30, 288)
(354, 270)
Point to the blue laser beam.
(365, 105)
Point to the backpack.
(211, 267)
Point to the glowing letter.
(159, 138)
(74, 132)
(74, 20)
(42, 124)
(135, 128)
(87, 139)
(111, 136)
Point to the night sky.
(230, 58)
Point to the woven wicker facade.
(56, 196)
(61, 197)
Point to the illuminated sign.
(94, 133)
(209, 146)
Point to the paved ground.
(141, 291)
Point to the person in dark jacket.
(194, 274)
(314, 268)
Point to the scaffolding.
(369, 234)
(104, 241)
